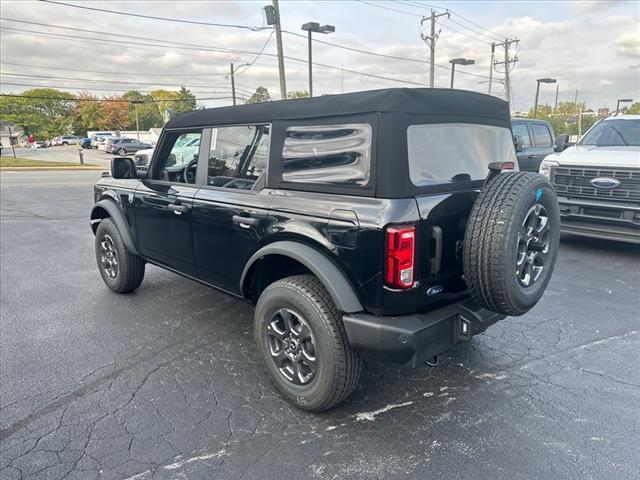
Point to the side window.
(238, 156)
(329, 154)
(521, 130)
(178, 157)
(541, 135)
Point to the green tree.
(261, 95)
(298, 94)
(564, 118)
(149, 115)
(41, 112)
(634, 109)
(185, 101)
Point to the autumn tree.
(180, 102)
(115, 113)
(87, 114)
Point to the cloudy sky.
(589, 46)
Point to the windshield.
(618, 132)
(454, 152)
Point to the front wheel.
(121, 271)
(303, 343)
(122, 152)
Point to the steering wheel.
(189, 173)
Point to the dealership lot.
(164, 383)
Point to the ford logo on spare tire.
(605, 183)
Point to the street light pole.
(135, 107)
(459, 61)
(539, 81)
(622, 100)
(311, 27)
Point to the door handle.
(245, 222)
(178, 209)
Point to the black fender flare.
(119, 219)
(327, 272)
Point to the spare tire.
(511, 242)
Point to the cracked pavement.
(164, 383)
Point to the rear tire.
(122, 152)
(121, 271)
(511, 242)
(316, 333)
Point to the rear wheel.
(122, 152)
(303, 343)
(511, 242)
(121, 271)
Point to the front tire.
(121, 271)
(303, 343)
(122, 152)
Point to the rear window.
(328, 154)
(453, 152)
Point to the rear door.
(449, 163)
(163, 206)
(230, 210)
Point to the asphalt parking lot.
(164, 383)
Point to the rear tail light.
(400, 256)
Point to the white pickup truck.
(598, 181)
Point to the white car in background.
(142, 158)
(598, 181)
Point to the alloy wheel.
(109, 257)
(291, 345)
(533, 245)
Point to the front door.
(163, 203)
(230, 210)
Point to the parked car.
(106, 143)
(123, 146)
(598, 181)
(68, 140)
(85, 143)
(534, 140)
(43, 144)
(391, 222)
(96, 137)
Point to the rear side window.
(455, 152)
(328, 154)
(541, 135)
(522, 131)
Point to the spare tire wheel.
(511, 242)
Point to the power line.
(250, 64)
(183, 45)
(206, 48)
(152, 17)
(102, 72)
(152, 84)
(423, 5)
(78, 99)
(390, 8)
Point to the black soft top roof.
(423, 101)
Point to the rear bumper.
(608, 221)
(413, 339)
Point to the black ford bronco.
(390, 222)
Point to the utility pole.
(493, 54)
(555, 108)
(431, 40)
(233, 84)
(278, 26)
(508, 63)
(135, 107)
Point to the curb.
(80, 167)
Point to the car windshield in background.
(453, 152)
(620, 132)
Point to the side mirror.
(561, 143)
(518, 143)
(123, 167)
